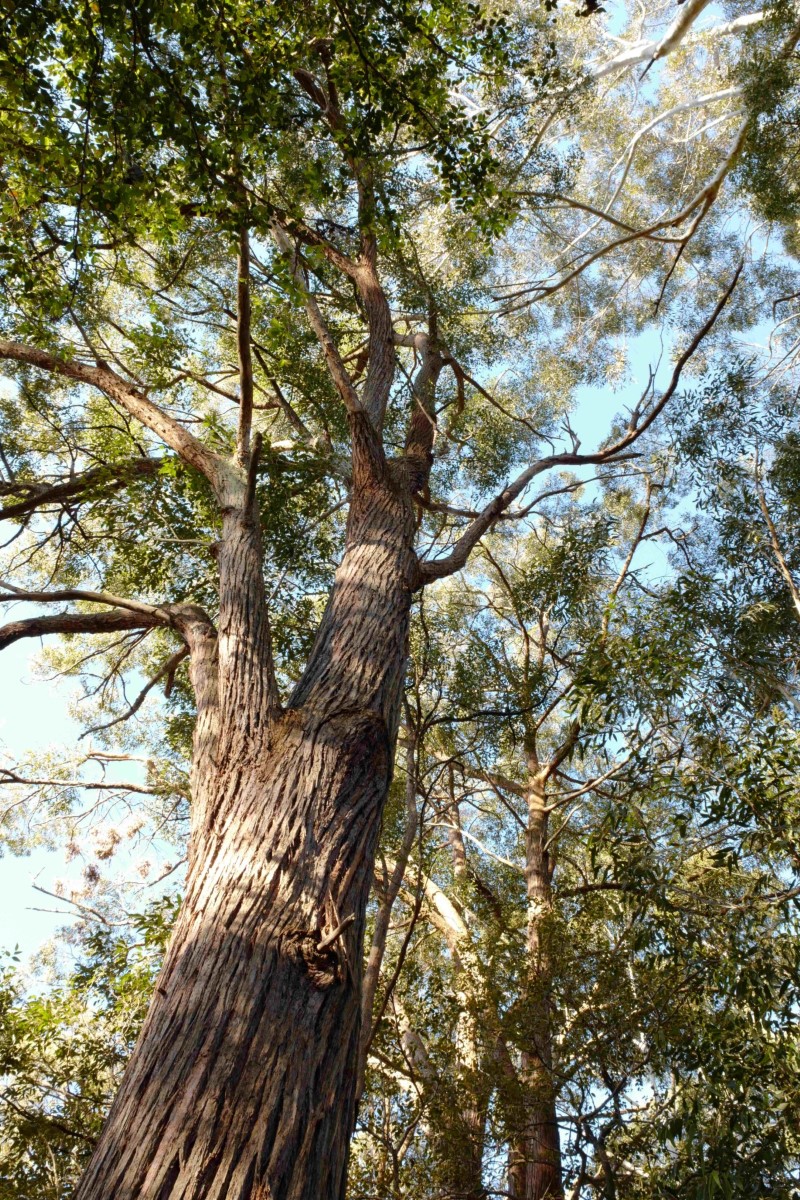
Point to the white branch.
(650, 51)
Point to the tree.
(660, 969)
(182, 187)
(63, 1052)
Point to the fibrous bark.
(243, 1081)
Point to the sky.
(33, 715)
(34, 710)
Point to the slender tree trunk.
(458, 1130)
(388, 893)
(535, 1154)
(242, 1084)
(468, 1123)
(459, 1102)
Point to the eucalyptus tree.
(526, 625)
(616, 875)
(331, 207)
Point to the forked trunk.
(242, 1084)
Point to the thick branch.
(243, 322)
(421, 429)
(381, 363)
(310, 237)
(650, 51)
(114, 621)
(132, 400)
(161, 613)
(83, 486)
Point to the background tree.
(643, 945)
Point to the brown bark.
(243, 1079)
(76, 489)
(243, 1082)
(534, 1171)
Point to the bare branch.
(88, 785)
(777, 550)
(166, 671)
(456, 559)
(676, 35)
(161, 613)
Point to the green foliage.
(470, 141)
(62, 1051)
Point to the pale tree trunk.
(460, 1129)
(535, 1153)
(388, 889)
(242, 1084)
(465, 1168)
(459, 1108)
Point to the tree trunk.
(242, 1083)
(458, 1130)
(459, 1102)
(535, 1154)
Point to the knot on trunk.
(323, 966)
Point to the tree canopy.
(430, 370)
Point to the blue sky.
(33, 715)
(34, 711)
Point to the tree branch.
(777, 551)
(333, 358)
(651, 51)
(243, 322)
(104, 622)
(160, 612)
(114, 477)
(457, 558)
(89, 785)
(166, 671)
(171, 432)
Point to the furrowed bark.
(380, 366)
(243, 1081)
(248, 691)
(371, 597)
(243, 1078)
